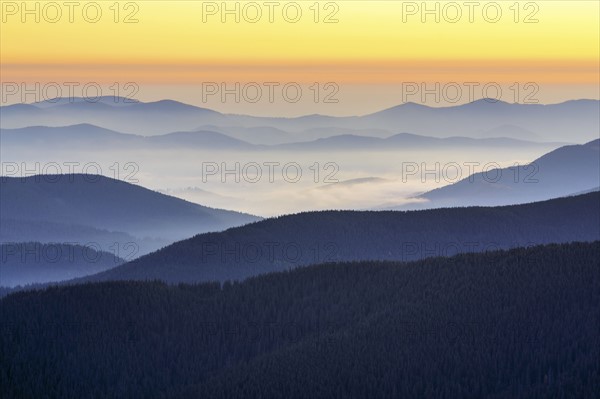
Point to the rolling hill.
(285, 242)
(548, 122)
(13, 230)
(115, 114)
(566, 170)
(518, 323)
(402, 141)
(102, 203)
(26, 263)
(89, 137)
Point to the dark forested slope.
(109, 204)
(23, 263)
(332, 236)
(522, 323)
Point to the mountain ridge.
(281, 243)
(157, 117)
(109, 204)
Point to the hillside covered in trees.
(23, 263)
(285, 242)
(85, 207)
(518, 323)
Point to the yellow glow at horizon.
(173, 33)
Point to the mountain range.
(26, 263)
(290, 241)
(85, 207)
(567, 170)
(580, 118)
(90, 137)
(500, 324)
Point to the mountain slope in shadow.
(506, 324)
(548, 122)
(23, 263)
(89, 137)
(108, 204)
(314, 237)
(566, 170)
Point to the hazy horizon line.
(166, 99)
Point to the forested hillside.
(23, 263)
(47, 207)
(338, 236)
(522, 323)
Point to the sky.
(348, 57)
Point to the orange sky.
(182, 43)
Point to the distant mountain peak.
(411, 104)
(172, 105)
(486, 101)
(106, 100)
(593, 143)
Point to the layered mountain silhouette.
(88, 137)
(273, 136)
(566, 170)
(580, 118)
(21, 230)
(94, 202)
(518, 323)
(407, 141)
(26, 263)
(315, 237)
(109, 289)
(117, 114)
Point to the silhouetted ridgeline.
(86, 136)
(475, 119)
(82, 204)
(24, 263)
(516, 324)
(566, 170)
(333, 236)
